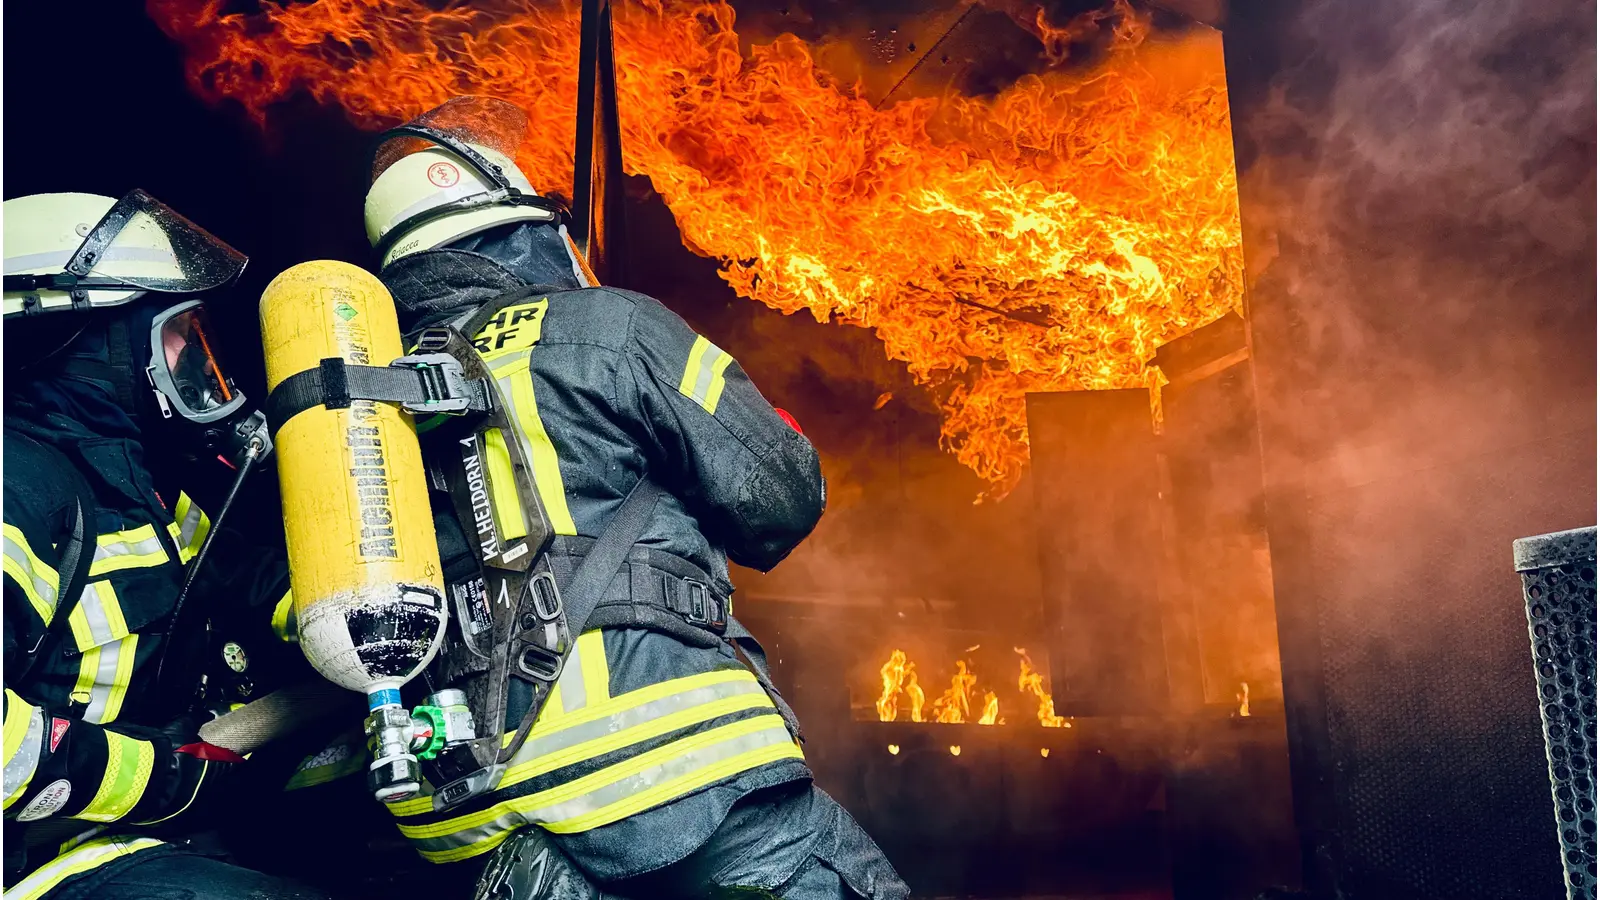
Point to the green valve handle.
(433, 716)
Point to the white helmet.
(449, 174)
(68, 252)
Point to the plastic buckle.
(445, 387)
(704, 607)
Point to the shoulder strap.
(604, 560)
(583, 592)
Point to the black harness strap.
(589, 582)
(421, 384)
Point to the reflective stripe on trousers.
(81, 859)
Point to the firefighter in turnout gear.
(106, 349)
(661, 764)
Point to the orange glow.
(1049, 237)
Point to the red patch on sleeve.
(784, 415)
(58, 730)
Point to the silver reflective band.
(43, 588)
(82, 859)
(573, 690)
(106, 642)
(108, 550)
(632, 717)
(19, 768)
(683, 764)
(57, 259)
(707, 373)
(189, 526)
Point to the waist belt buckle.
(705, 608)
(445, 385)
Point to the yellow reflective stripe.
(24, 742)
(596, 674)
(718, 382)
(136, 548)
(691, 370)
(616, 792)
(333, 763)
(129, 763)
(87, 856)
(106, 666)
(127, 652)
(515, 328)
(505, 505)
(39, 582)
(542, 763)
(703, 379)
(536, 444)
(783, 747)
(190, 527)
(18, 712)
(284, 624)
(622, 720)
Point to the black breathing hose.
(253, 453)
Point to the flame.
(894, 675)
(899, 676)
(954, 705)
(955, 749)
(1047, 238)
(914, 693)
(991, 710)
(1032, 682)
(1045, 752)
(1243, 696)
(894, 749)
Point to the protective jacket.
(654, 730)
(84, 734)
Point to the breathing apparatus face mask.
(192, 388)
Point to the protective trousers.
(791, 841)
(164, 872)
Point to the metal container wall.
(1558, 584)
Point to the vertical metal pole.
(597, 170)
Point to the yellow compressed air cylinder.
(363, 560)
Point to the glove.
(192, 776)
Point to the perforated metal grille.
(1558, 582)
(1436, 773)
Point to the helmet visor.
(146, 244)
(184, 365)
(484, 121)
